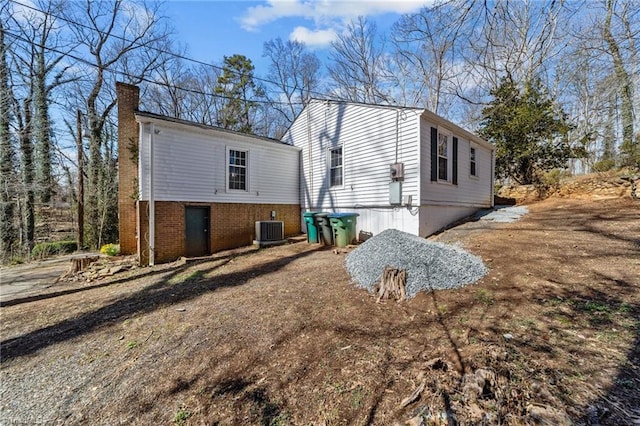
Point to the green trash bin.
(344, 228)
(312, 230)
(325, 233)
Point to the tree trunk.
(80, 184)
(7, 231)
(42, 131)
(26, 148)
(628, 149)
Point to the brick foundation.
(231, 225)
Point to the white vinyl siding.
(469, 191)
(191, 164)
(372, 138)
(367, 136)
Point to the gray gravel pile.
(429, 265)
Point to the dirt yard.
(280, 336)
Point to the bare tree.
(39, 49)
(295, 75)
(623, 65)
(426, 44)
(598, 72)
(356, 67)
(123, 40)
(7, 156)
(170, 94)
(519, 40)
(203, 105)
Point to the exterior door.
(197, 232)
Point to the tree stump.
(79, 264)
(392, 284)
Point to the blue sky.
(212, 29)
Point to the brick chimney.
(128, 99)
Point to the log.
(392, 284)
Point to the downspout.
(492, 179)
(397, 130)
(309, 147)
(152, 200)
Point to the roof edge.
(431, 116)
(159, 117)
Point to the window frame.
(473, 161)
(228, 179)
(330, 166)
(447, 157)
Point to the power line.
(166, 52)
(138, 77)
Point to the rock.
(415, 421)
(476, 384)
(118, 268)
(542, 393)
(542, 414)
(508, 336)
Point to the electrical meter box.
(395, 193)
(396, 170)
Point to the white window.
(443, 156)
(237, 170)
(473, 171)
(335, 167)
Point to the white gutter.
(152, 206)
(492, 178)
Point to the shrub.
(548, 182)
(110, 249)
(604, 165)
(42, 250)
(551, 179)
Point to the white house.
(187, 189)
(397, 167)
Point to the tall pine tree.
(237, 88)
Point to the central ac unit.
(269, 231)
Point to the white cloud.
(272, 11)
(313, 38)
(324, 10)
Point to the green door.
(197, 231)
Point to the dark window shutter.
(454, 166)
(434, 154)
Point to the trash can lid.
(322, 214)
(309, 214)
(339, 215)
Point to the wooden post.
(80, 183)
